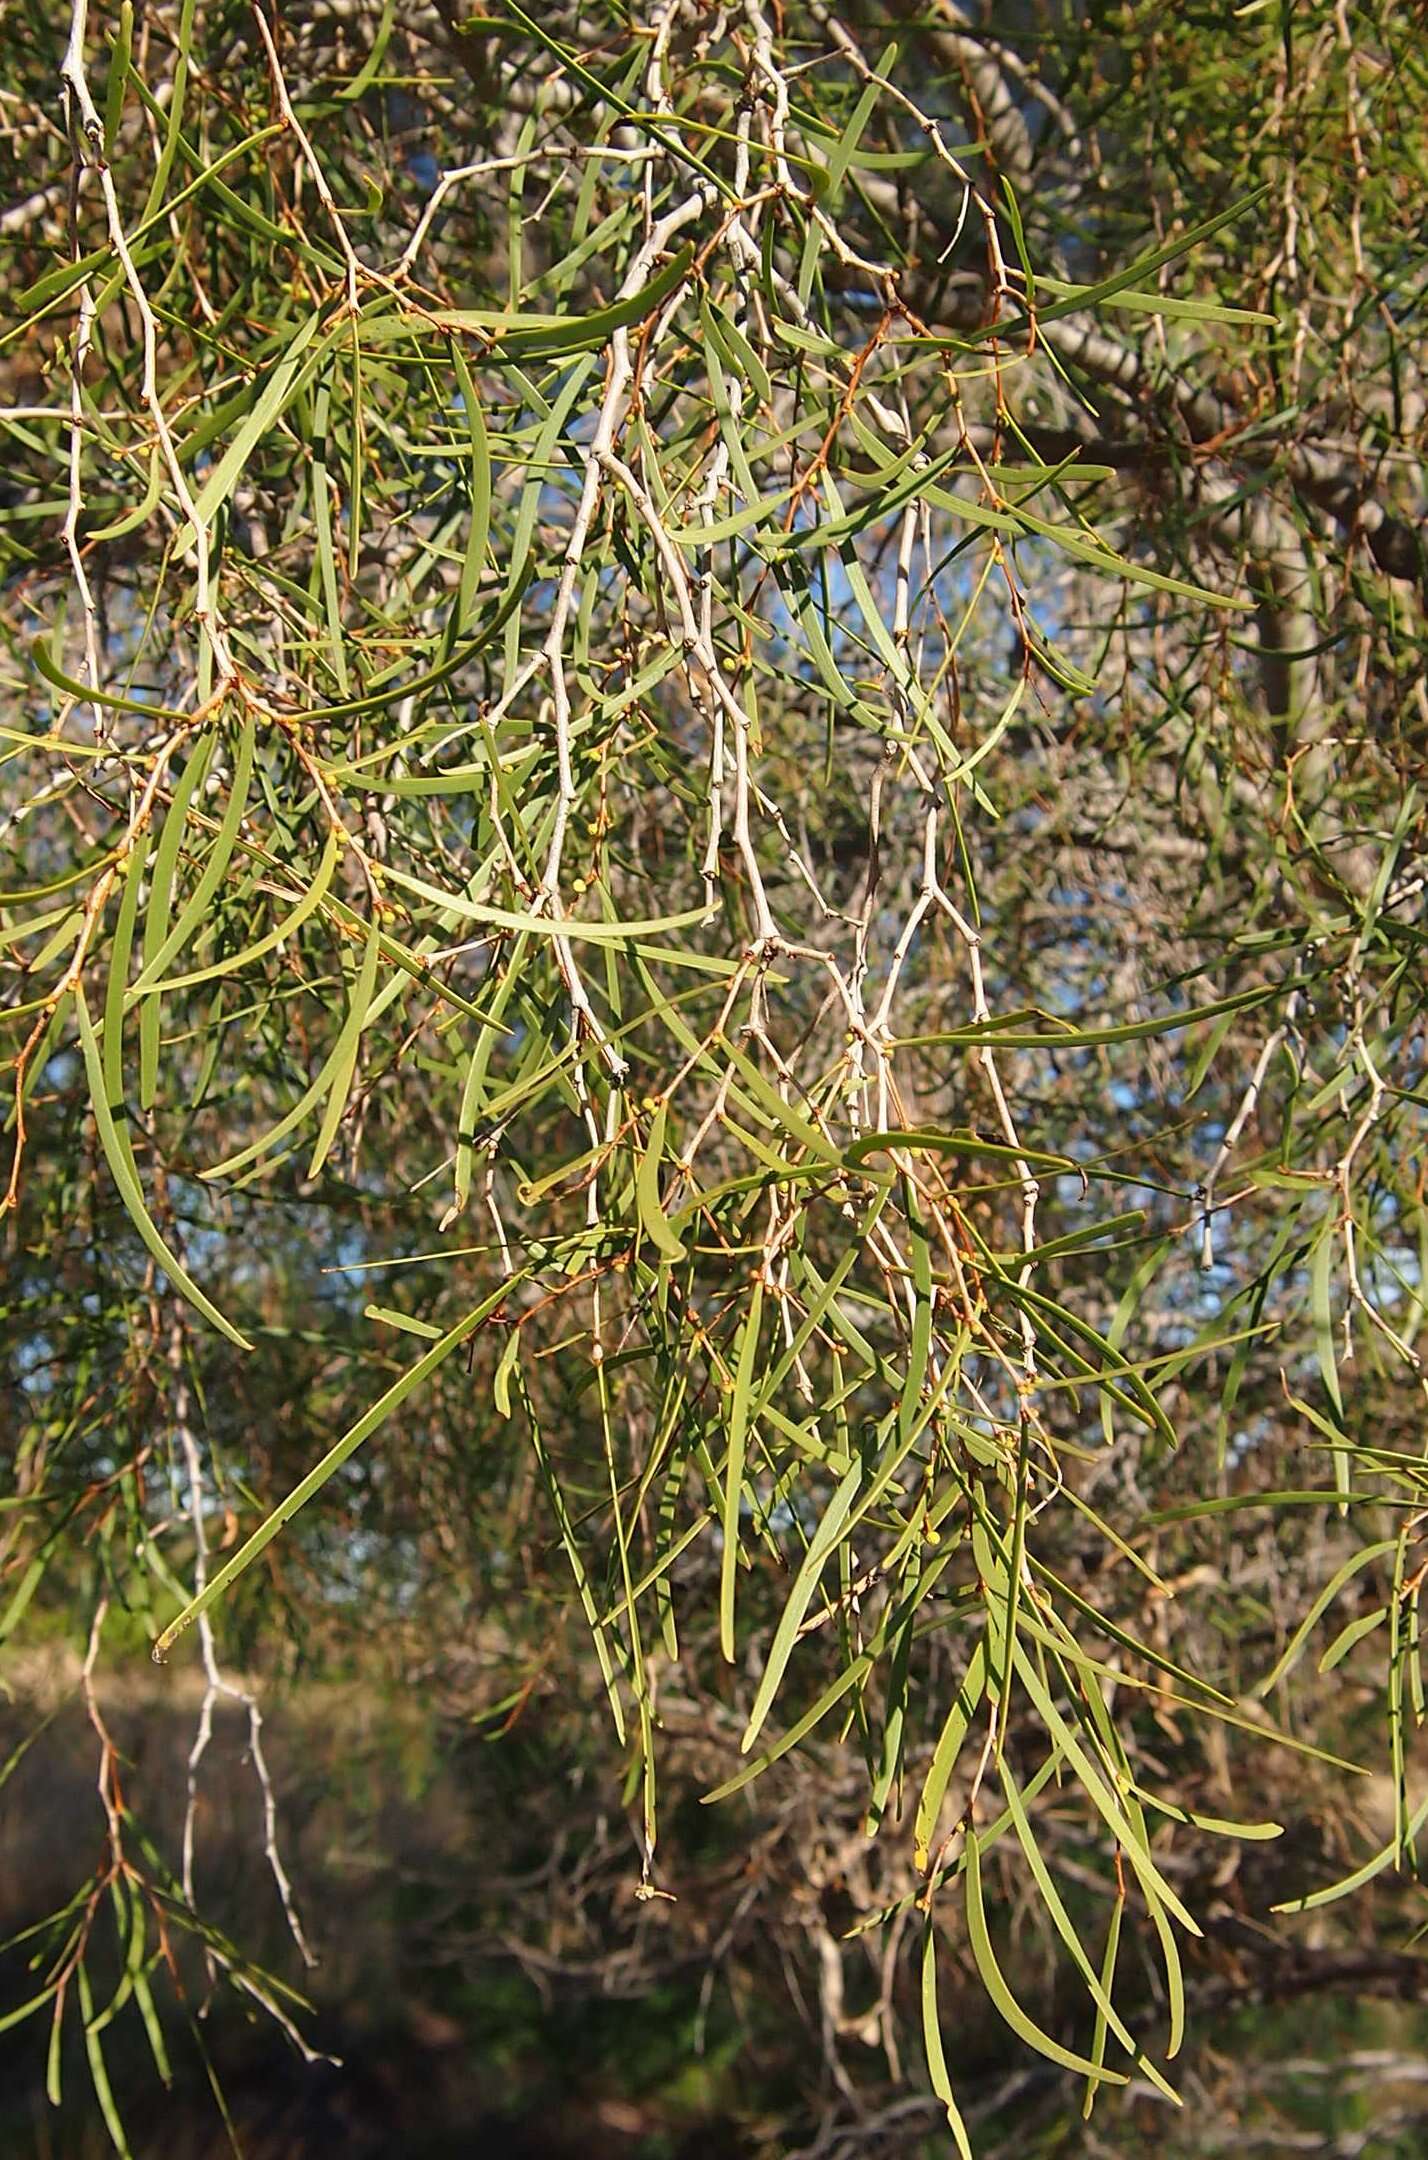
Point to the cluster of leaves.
(630, 707)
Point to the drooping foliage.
(712, 922)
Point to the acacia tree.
(739, 691)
